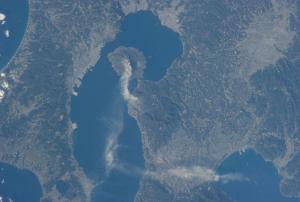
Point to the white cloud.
(2, 16)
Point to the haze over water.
(262, 184)
(99, 106)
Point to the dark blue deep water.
(18, 185)
(16, 12)
(262, 184)
(159, 44)
(99, 105)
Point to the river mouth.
(107, 141)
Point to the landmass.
(235, 87)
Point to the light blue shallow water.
(99, 102)
(262, 184)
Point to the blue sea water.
(16, 12)
(160, 45)
(99, 106)
(260, 183)
(15, 184)
(18, 185)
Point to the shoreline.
(5, 67)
